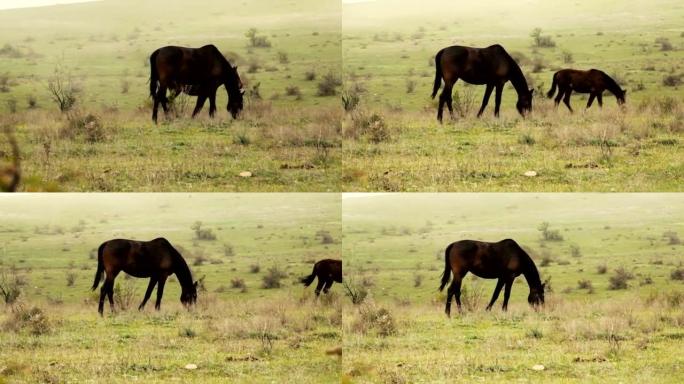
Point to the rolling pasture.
(97, 53)
(615, 311)
(392, 141)
(239, 331)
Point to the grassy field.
(393, 248)
(288, 137)
(238, 332)
(392, 141)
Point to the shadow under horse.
(156, 259)
(491, 66)
(593, 82)
(327, 271)
(197, 72)
(504, 260)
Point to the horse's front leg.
(148, 293)
(200, 103)
(160, 292)
(507, 293)
(497, 99)
(212, 104)
(591, 100)
(497, 290)
(485, 99)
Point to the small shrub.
(187, 332)
(71, 279)
(665, 44)
(417, 280)
(535, 333)
(242, 138)
(203, 233)
(325, 237)
(328, 85)
(4, 83)
(567, 57)
(538, 65)
(350, 99)
(371, 126)
(585, 284)
(672, 238)
(283, 58)
(356, 293)
(238, 284)
(293, 90)
(10, 286)
(602, 269)
(619, 279)
(410, 86)
(575, 251)
(672, 80)
(526, 139)
(254, 268)
(257, 41)
(228, 250)
(63, 90)
(310, 75)
(677, 274)
(34, 320)
(89, 127)
(11, 105)
(549, 234)
(31, 102)
(540, 40)
(254, 66)
(272, 278)
(125, 295)
(125, 86)
(377, 318)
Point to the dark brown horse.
(491, 66)
(593, 82)
(197, 72)
(504, 261)
(156, 259)
(327, 271)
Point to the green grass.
(104, 48)
(388, 44)
(390, 239)
(259, 335)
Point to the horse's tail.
(100, 266)
(552, 91)
(309, 279)
(447, 268)
(154, 76)
(438, 73)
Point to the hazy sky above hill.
(10, 4)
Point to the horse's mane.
(611, 84)
(180, 266)
(531, 272)
(517, 77)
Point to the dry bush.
(293, 90)
(272, 278)
(372, 317)
(473, 295)
(677, 274)
(328, 85)
(369, 125)
(356, 293)
(254, 268)
(602, 269)
(672, 80)
(88, 126)
(10, 174)
(70, 279)
(10, 286)
(124, 294)
(63, 90)
(672, 238)
(619, 279)
(238, 284)
(310, 75)
(33, 320)
(325, 237)
(202, 233)
(256, 40)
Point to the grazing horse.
(492, 66)
(504, 261)
(327, 271)
(156, 259)
(593, 82)
(197, 72)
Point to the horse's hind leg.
(454, 290)
(103, 293)
(591, 100)
(485, 99)
(328, 284)
(319, 286)
(148, 293)
(160, 292)
(449, 99)
(497, 290)
(559, 97)
(566, 99)
(155, 108)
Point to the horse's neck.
(182, 272)
(517, 78)
(611, 85)
(532, 275)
